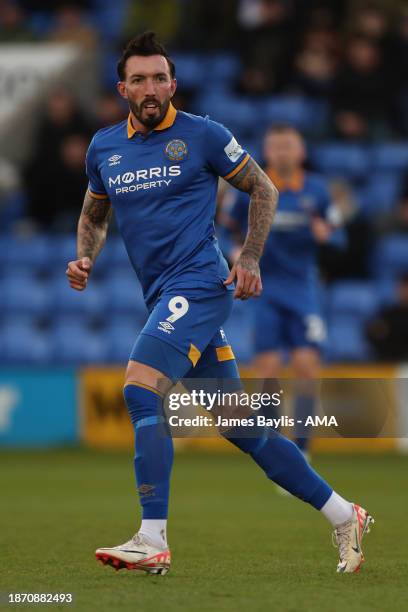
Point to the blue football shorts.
(283, 327)
(183, 336)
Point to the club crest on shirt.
(176, 150)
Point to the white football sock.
(337, 510)
(155, 531)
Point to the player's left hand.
(321, 230)
(248, 278)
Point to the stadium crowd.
(336, 70)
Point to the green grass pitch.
(236, 544)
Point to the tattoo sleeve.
(93, 226)
(264, 199)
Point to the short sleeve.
(95, 186)
(224, 154)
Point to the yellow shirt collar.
(295, 184)
(166, 122)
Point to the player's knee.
(146, 376)
(306, 364)
(268, 365)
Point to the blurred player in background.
(160, 170)
(287, 315)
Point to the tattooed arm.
(264, 198)
(92, 228)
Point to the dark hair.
(145, 44)
(282, 128)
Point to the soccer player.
(287, 315)
(159, 170)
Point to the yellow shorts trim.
(194, 354)
(143, 386)
(224, 353)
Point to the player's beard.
(149, 122)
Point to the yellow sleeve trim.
(238, 168)
(98, 196)
(194, 354)
(224, 353)
(138, 384)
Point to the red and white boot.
(348, 538)
(136, 554)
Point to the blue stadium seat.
(295, 110)
(353, 298)
(76, 343)
(24, 294)
(92, 301)
(109, 60)
(222, 69)
(254, 147)
(112, 259)
(13, 209)
(109, 18)
(346, 341)
(391, 256)
(380, 194)
(386, 290)
(119, 335)
(124, 295)
(32, 254)
(191, 69)
(238, 113)
(390, 156)
(23, 343)
(103, 264)
(341, 160)
(63, 249)
(40, 23)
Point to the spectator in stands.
(56, 193)
(54, 162)
(371, 21)
(396, 221)
(388, 331)
(399, 62)
(71, 27)
(49, 5)
(314, 72)
(208, 26)
(329, 14)
(109, 110)
(266, 44)
(13, 27)
(62, 117)
(361, 96)
(11, 195)
(161, 16)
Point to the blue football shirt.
(163, 188)
(288, 264)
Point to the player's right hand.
(78, 272)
